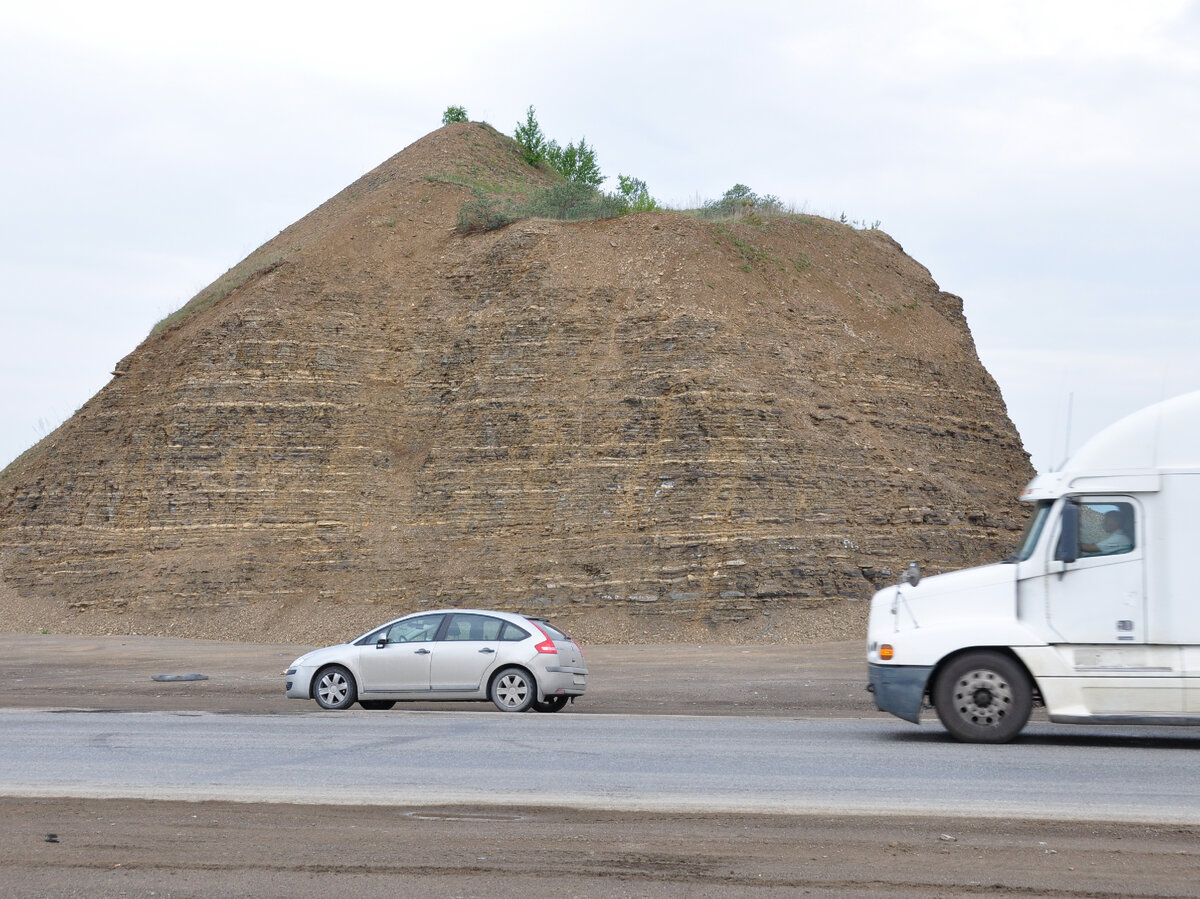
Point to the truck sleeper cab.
(1094, 615)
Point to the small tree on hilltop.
(576, 163)
(635, 194)
(530, 139)
(454, 114)
(741, 200)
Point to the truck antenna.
(1162, 396)
(1067, 439)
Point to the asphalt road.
(614, 762)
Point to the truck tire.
(983, 697)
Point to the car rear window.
(551, 631)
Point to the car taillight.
(547, 646)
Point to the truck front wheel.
(983, 697)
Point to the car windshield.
(1033, 530)
(418, 629)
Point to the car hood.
(320, 656)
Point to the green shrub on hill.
(577, 197)
(483, 212)
(741, 200)
(575, 163)
(635, 194)
(530, 139)
(573, 201)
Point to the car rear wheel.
(377, 705)
(549, 704)
(335, 688)
(513, 690)
(983, 697)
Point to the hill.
(650, 427)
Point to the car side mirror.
(381, 642)
(911, 574)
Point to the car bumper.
(899, 689)
(559, 680)
(298, 683)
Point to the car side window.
(512, 633)
(414, 630)
(473, 627)
(1106, 528)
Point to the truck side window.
(1106, 528)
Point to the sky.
(1039, 158)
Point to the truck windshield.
(1033, 530)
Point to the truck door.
(1096, 610)
(1100, 596)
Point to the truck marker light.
(886, 652)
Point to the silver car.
(516, 661)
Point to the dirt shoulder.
(59, 671)
(210, 849)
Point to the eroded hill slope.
(653, 426)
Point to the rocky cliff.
(654, 426)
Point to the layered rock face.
(648, 425)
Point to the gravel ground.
(119, 672)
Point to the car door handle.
(487, 649)
(422, 652)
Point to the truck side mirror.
(1068, 538)
(911, 575)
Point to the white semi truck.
(1096, 615)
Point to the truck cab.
(1095, 614)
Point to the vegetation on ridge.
(576, 198)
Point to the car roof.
(515, 617)
(495, 612)
(507, 616)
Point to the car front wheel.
(983, 697)
(335, 688)
(513, 690)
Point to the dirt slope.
(647, 427)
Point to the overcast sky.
(1040, 158)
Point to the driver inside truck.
(1115, 540)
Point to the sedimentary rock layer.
(652, 417)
